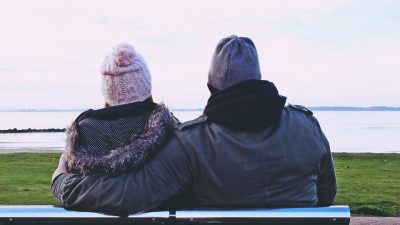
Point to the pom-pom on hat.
(126, 77)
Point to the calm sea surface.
(361, 131)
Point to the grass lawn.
(369, 183)
(25, 178)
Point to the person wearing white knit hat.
(126, 77)
(129, 130)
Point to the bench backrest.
(44, 214)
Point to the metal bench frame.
(47, 214)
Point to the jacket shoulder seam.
(191, 123)
(301, 109)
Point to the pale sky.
(317, 52)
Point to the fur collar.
(157, 132)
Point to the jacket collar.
(119, 111)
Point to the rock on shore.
(30, 130)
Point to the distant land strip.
(350, 108)
(29, 130)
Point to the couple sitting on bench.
(247, 149)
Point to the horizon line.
(315, 108)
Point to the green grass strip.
(369, 183)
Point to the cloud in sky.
(318, 52)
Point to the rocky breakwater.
(30, 130)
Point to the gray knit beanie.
(235, 60)
(126, 77)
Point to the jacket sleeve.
(326, 183)
(167, 174)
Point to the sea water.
(347, 131)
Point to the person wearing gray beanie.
(235, 59)
(246, 150)
(240, 99)
(129, 130)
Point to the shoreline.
(22, 150)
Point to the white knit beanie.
(126, 78)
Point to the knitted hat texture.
(126, 77)
(234, 60)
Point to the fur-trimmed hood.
(157, 131)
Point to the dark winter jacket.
(286, 164)
(117, 139)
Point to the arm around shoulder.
(168, 173)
